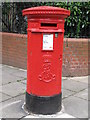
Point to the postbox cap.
(46, 11)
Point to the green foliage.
(76, 25)
(78, 22)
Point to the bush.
(77, 25)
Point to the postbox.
(44, 58)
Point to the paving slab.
(9, 69)
(65, 78)
(0, 74)
(66, 93)
(20, 73)
(89, 109)
(1, 66)
(89, 79)
(89, 93)
(0, 79)
(8, 78)
(14, 71)
(74, 85)
(76, 107)
(0, 97)
(3, 97)
(61, 115)
(0, 112)
(13, 108)
(82, 94)
(1, 88)
(83, 79)
(52, 118)
(65, 115)
(74, 94)
(24, 81)
(14, 89)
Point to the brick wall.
(14, 49)
(75, 53)
(75, 57)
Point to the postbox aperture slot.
(48, 25)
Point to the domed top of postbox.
(46, 12)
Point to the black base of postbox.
(43, 105)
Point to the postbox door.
(44, 63)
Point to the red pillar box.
(44, 58)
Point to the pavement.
(12, 95)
